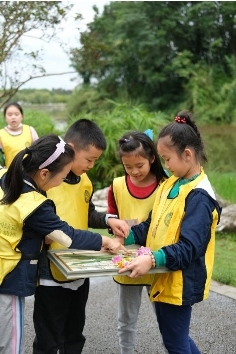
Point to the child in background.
(26, 217)
(59, 307)
(15, 136)
(132, 197)
(180, 232)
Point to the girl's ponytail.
(13, 180)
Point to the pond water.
(57, 112)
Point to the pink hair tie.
(59, 150)
(180, 120)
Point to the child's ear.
(72, 145)
(188, 154)
(44, 173)
(153, 159)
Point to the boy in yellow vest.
(59, 308)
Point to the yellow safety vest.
(12, 144)
(12, 217)
(72, 206)
(130, 207)
(164, 229)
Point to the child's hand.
(48, 240)
(120, 239)
(139, 266)
(119, 227)
(112, 245)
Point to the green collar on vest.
(174, 192)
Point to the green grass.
(224, 185)
(225, 260)
(102, 232)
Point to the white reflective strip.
(60, 237)
(206, 185)
(33, 261)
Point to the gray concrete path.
(213, 326)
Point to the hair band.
(126, 140)
(180, 120)
(59, 150)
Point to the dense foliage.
(42, 96)
(164, 54)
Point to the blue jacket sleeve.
(44, 221)
(96, 219)
(195, 232)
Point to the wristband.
(153, 260)
(110, 216)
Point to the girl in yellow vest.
(131, 197)
(180, 233)
(27, 216)
(15, 136)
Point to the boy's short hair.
(83, 133)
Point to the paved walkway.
(225, 290)
(213, 325)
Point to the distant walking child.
(180, 233)
(132, 197)
(15, 136)
(27, 216)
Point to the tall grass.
(225, 261)
(224, 184)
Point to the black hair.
(83, 133)
(138, 143)
(27, 162)
(184, 133)
(15, 104)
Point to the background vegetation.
(43, 96)
(225, 266)
(167, 55)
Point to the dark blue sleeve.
(140, 231)
(44, 221)
(96, 219)
(195, 232)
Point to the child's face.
(85, 159)
(13, 117)
(178, 165)
(137, 167)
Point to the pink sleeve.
(34, 134)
